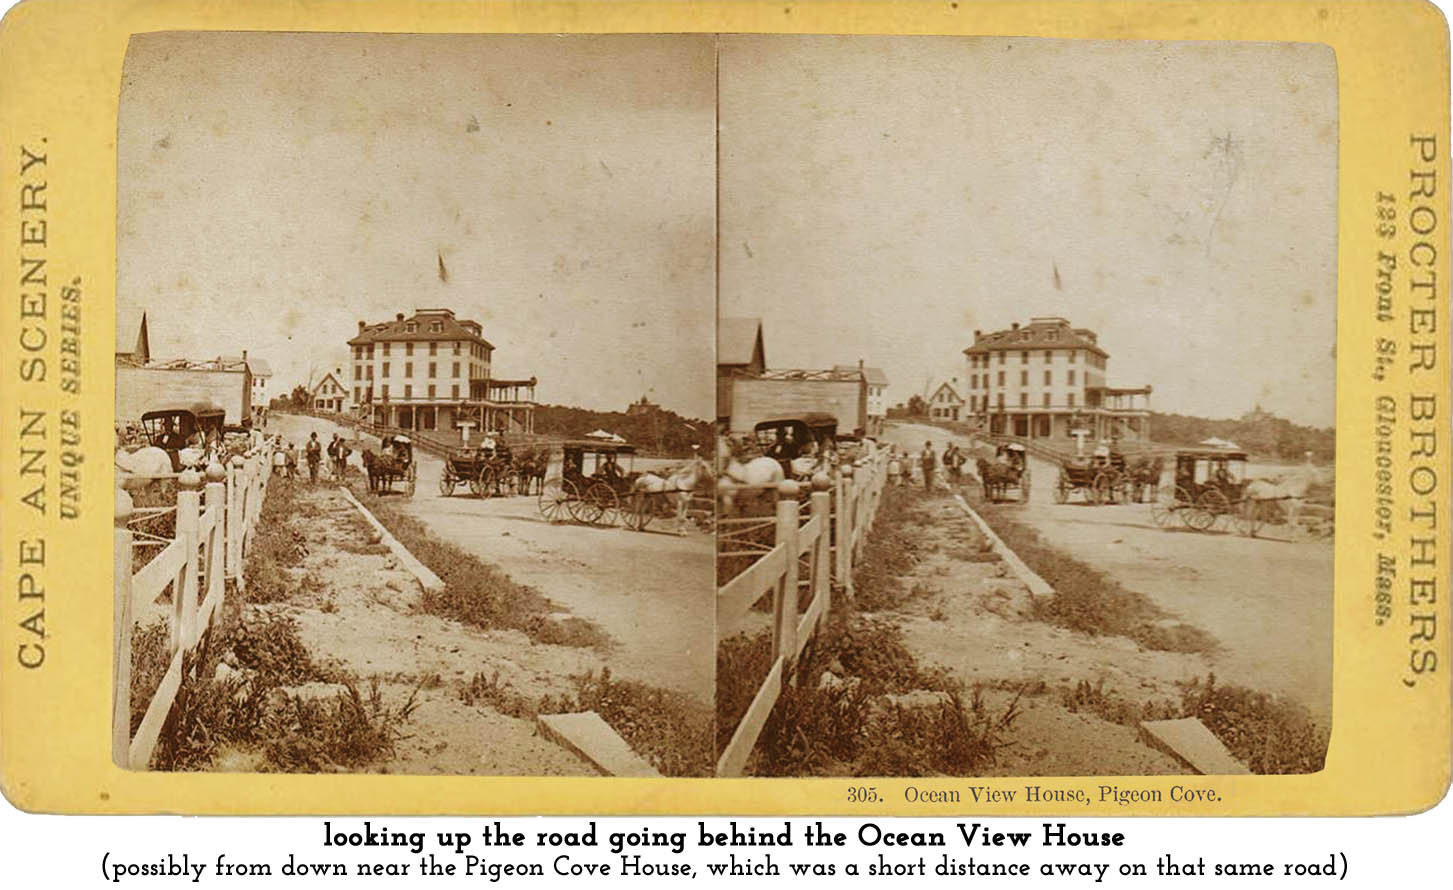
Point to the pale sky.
(883, 197)
(275, 189)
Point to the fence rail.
(216, 516)
(816, 556)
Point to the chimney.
(400, 317)
(1014, 326)
(361, 326)
(244, 356)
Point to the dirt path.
(1267, 600)
(355, 607)
(653, 592)
(973, 618)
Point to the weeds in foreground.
(1270, 734)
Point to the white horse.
(1289, 489)
(678, 486)
(761, 474)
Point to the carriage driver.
(610, 470)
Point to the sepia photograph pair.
(1016, 458)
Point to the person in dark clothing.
(927, 461)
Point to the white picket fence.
(826, 546)
(215, 518)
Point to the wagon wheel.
(509, 482)
(1249, 517)
(1104, 486)
(1062, 488)
(556, 495)
(1194, 512)
(636, 510)
(596, 506)
(483, 484)
(446, 482)
(1214, 502)
(1165, 509)
(412, 477)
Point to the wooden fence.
(215, 518)
(815, 556)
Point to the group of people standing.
(901, 466)
(285, 458)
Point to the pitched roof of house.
(942, 386)
(131, 333)
(450, 328)
(1040, 333)
(736, 340)
(326, 378)
(257, 366)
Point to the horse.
(678, 486)
(762, 474)
(532, 471)
(996, 477)
(382, 470)
(1288, 489)
(1145, 473)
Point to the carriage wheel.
(413, 478)
(597, 505)
(1249, 517)
(509, 482)
(555, 497)
(1214, 502)
(446, 482)
(1062, 488)
(484, 484)
(1165, 509)
(1104, 487)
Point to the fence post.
(784, 601)
(821, 554)
(236, 496)
(216, 499)
(184, 594)
(845, 509)
(121, 616)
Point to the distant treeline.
(658, 431)
(1258, 432)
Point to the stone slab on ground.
(1190, 740)
(588, 735)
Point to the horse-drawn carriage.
(801, 443)
(487, 471)
(190, 434)
(1099, 478)
(392, 461)
(1209, 486)
(605, 492)
(1008, 471)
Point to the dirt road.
(1267, 600)
(652, 591)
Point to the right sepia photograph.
(1026, 360)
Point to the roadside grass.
(668, 728)
(1270, 734)
(276, 546)
(1088, 600)
(478, 593)
(893, 550)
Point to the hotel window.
(1073, 355)
(1048, 376)
(385, 349)
(1001, 401)
(411, 327)
(370, 353)
(1024, 400)
(431, 370)
(436, 327)
(408, 369)
(1024, 356)
(369, 369)
(456, 392)
(431, 391)
(385, 369)
(456, 347)
(1072, 378)
(408, 391)
(1049, 355)
(1072, 400)
(1023, 378)
(384, 391)
(1001, 357)
(408, 349)
(456, 370)
(433, 348)
(1046, 400)
(1001, 375)
(357, 394)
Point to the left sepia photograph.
(414, 401)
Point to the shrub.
(1268, 733)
